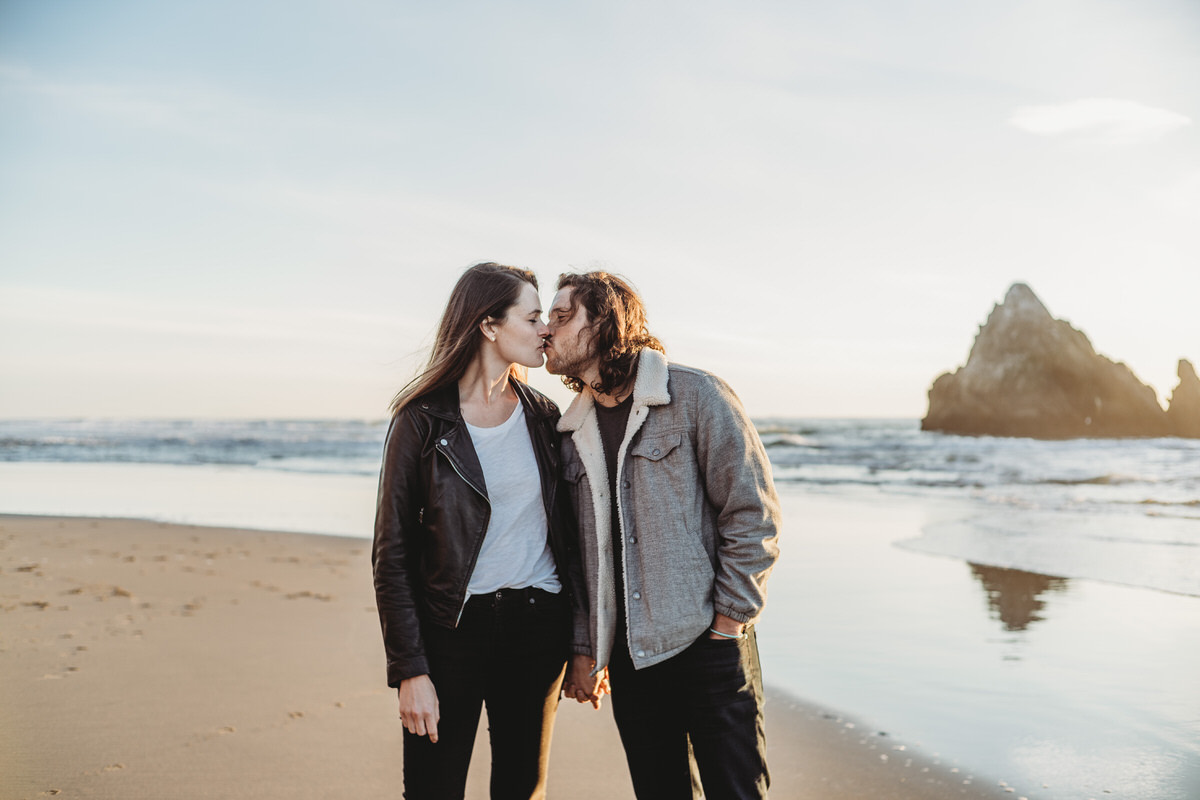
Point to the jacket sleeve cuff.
(582, 650)
(732, 613)
(410, 668)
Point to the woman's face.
(520, 336)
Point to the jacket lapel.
(650, 388)
(454, 441)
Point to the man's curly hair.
(617, 320)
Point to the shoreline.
(143, 658)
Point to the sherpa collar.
(649, 389)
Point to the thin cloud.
(203, 112)
(1106, 119)
(99, 312)
(173, 109)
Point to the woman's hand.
(419, 706)
(581, 685)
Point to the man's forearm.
(726, 626)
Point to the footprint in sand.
(189, 609)
(315, 595)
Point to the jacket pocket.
(573, 472)
(656, 448)
(575, 477)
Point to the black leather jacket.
(433, 511)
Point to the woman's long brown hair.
(484, 291)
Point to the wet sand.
(1064, 688)
(147, 660)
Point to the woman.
(471, 546)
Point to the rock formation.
(1029, 374)
(1184, 410)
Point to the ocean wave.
(771, 440)
(1099, 480)
(1162, 475)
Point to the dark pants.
(709, 697)
(508, 651)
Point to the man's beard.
(568, 364)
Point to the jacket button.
(633, 540)
(656, 452)
(626, 484)
(641, 653)
(443, 442)
(637, 595)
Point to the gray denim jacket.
(698, 512)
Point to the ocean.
(1124, 511)
(1035, 503)
(1027, 610)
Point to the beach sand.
(147, 660)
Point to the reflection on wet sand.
(1013, 595)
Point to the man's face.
(569, 350)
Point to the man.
(678, 528)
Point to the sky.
(258, 208)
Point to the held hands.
(419, 706)
(581, 685)
(584, 687)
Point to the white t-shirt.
(516, 546)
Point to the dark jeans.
(508, 651)
(709, 697)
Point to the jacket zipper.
(481, 493)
